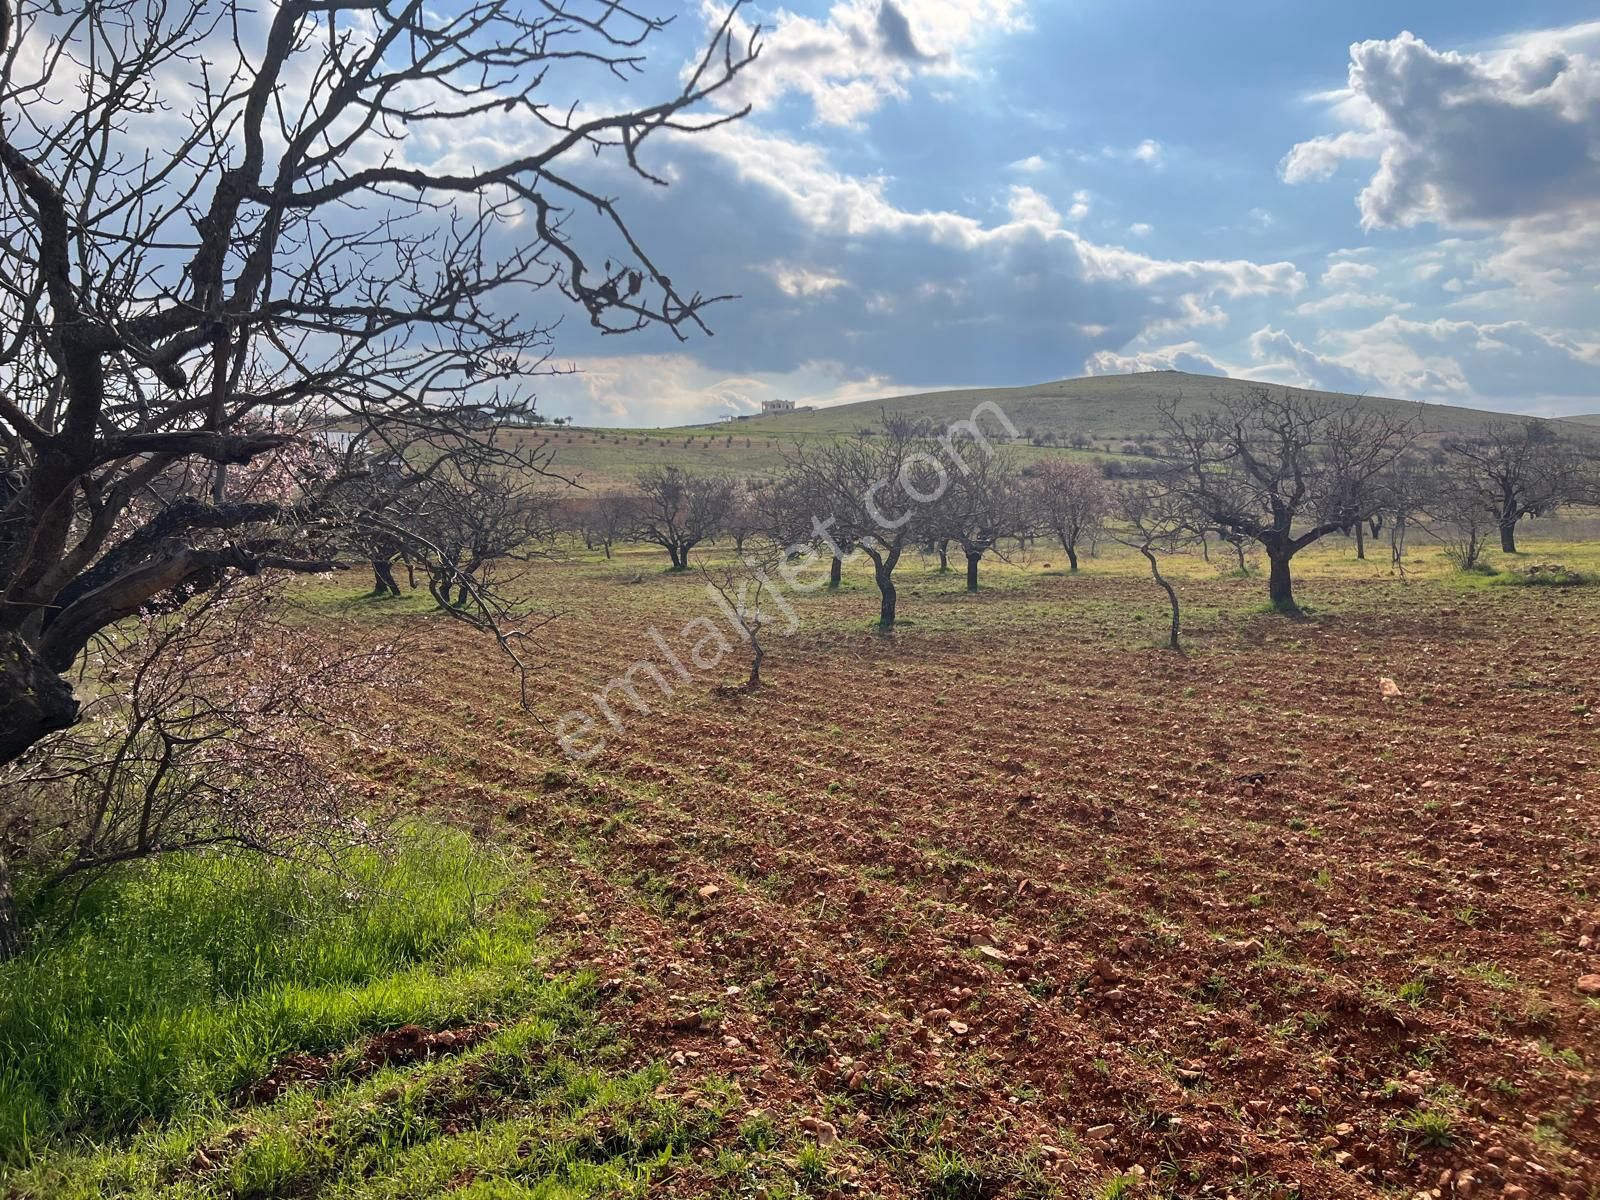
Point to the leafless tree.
(983, 504)
(744, 518)
(1403, 490)
(744, 583)
(216, 226)
(1069, 500)
(471, 519)
(220, 238)
(870, 491)
(1281, 468)
(1462, 516)
(602, 519)
(1155, 520)
(787, 509)
(677, 510)
(1519, 469)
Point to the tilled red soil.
(1014, 886)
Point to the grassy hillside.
(1109, 410)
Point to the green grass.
(541, 1109)
(181, 981)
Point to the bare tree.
(744, 518)
(1462, 517)
(1156, 520)
(1521, 469)
(1281, 468)
(870, 492)
(471, 518)
(743, 584)
(677, 510)
(1070, 500)
(1404, 491)
(213, 221)
(983, 504)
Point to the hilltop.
(1106, 408)
(1106, 414)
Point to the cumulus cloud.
(863, 53)
(1185, 356)
(1508, 364)
(828, 266)
(1467, 139)
(1346, 271)
(1148, 151)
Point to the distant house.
(776, 406)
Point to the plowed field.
(1015, 899)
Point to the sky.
(1394, 198)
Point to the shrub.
(1549, 575)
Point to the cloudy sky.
(1388, 196)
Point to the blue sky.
(1395, 198)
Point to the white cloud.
(1467, 139)
(1184, 356)
(1148, 151)
(1508, 364)
(802, 281)
(674, 388)
(1080, 206)
(1348, 300)
(1033, 163)
(862, 53)
(1139, 229)
(1346, 272)
(1030, 207)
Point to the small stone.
(1589, 985)
(1099, 1133)
(958, 1027)
(709, 892)
(994, 954)
(823, 1131)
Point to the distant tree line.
(1269, 468)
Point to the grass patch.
(185, 979)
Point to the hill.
(1102, 415)
(1105, 408)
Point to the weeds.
(181, 981)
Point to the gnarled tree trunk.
(34, 700)
(1280, 585)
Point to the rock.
(958, 1027)
(1106, 969)
(1099, 1133)
(823, 1131)
(1589, 985)
(994, 954)
(709, 892)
